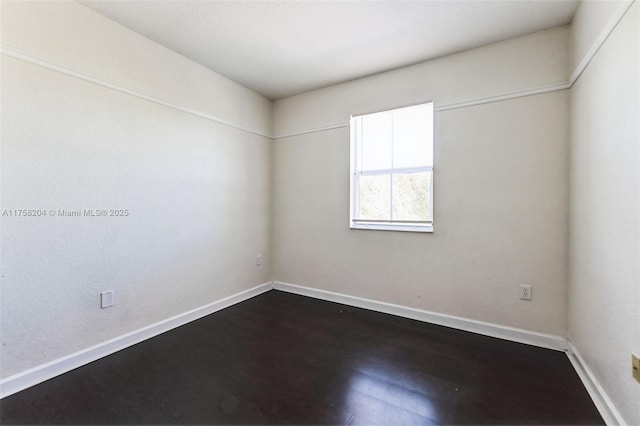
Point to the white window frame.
(354, 222)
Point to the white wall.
(198, 191)
(96, 116)
(604, 302)
(501, 189)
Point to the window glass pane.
(376, 141)
(412, 136)
(411, 196)
(375, 197)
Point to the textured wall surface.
(604, 307)
(197, 192)
(501, 200)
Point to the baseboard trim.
(603, 403)
(41, 373)
(49, 370)
(601, 400)
(543, 340)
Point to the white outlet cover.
(525, 292)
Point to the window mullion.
(360, 156)
(391, 174)
(357, 168)
(390, 196)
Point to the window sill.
(392, 227)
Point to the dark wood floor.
(281, 358)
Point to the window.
(392, 170)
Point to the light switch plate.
(106, 299)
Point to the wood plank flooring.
(285, 359)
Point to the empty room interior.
(320, 212)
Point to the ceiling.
(281, 48)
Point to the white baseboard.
(43, 372)
(603, 403)
(485, 328)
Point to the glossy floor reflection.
(285, 359)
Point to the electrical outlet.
(525, 292)
(259, 260)
(106, 299)
(635, 365)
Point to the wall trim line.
(518, 335)
(314, 130)
(603, 403)
(548, 88)
(49, 370)
(575, 75)
(50, 65)
(606, 32)
(580, 68)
